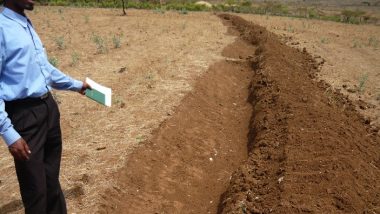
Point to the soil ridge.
(309, 150)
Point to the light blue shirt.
(24, 68)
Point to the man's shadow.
(16, 205)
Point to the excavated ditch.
(291, 144)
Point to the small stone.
(280, 179)
(211, 159)
(304, 99)
(101, 148)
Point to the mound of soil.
(309, 150)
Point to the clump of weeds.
(362, 82)
(53, 61)
(116, 40)
(373, 42)
(74, 59)
(100, 43)
(324, 40)
(86, 19)
(60, 42)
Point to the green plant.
(362, 82)
(290, 29)
(324, 40)
(373, 42)
(183, 11)
(60, 42)
(53, 61)
(140, 138)
(352, 17)
(100, 44)
(116, 40)
(86, 19)
(356, 44)
(74, 59)
(243, 207)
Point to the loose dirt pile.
(309, 150)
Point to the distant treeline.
(237, 6)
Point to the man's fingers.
(24, 154)
(27, 150)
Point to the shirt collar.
(22, 20)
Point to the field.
(213, 114)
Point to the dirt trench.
(291, 144)
(188, 163)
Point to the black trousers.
(37, 121)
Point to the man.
(29, 116)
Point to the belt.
(28, 100)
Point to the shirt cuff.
(11, 136)
(77, 85)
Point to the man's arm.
(17, 146)
(63, 82)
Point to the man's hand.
(84, 87)
(20, 150)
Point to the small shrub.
(356, 44)
(60, 42)
(53, 61)
(183, 11)
(116, 40)
(86, 19)
(101, 47)
(373, 42)
(352, 17)
(324, 40)
(362, 82)
(74, 59)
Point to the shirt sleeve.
(9, 134)
(62, 81)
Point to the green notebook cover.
(96, 95)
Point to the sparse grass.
(116, 40)
(53, 61)
(324, 40)
(290, 29)
(184, 25)
(100, 43)
(60, 42)
(140, 138)
(74, 59)
(160, 10)
(356, 44)
(362, 82)
(373, 42)
(86, 19)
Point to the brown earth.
(309, 150)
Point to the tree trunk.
(124, 13)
